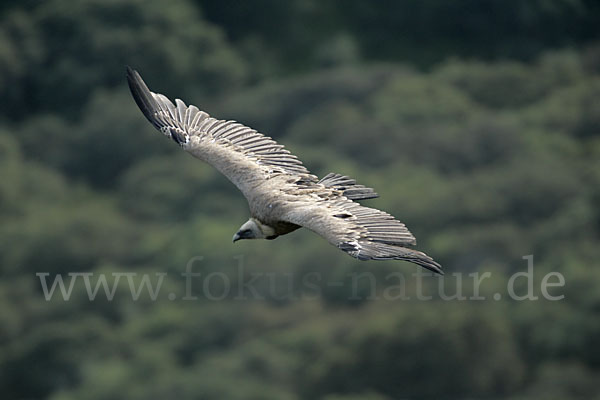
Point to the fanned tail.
(348, 186)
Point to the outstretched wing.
(243, 155)
(364, 233)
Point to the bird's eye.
(246, 232)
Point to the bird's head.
(253, 229)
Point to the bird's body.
(282, 194)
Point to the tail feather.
(349, 187)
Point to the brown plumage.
(282, 194)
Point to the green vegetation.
(488, 150)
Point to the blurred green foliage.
(473, 127)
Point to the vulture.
(282, 194)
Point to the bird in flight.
(282, 194)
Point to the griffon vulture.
(282, 194)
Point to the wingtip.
(141, 95)
(431, 265)
(130, 74)
(133, 77)
(129, 71)
(439, 271)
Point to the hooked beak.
(236, 237)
